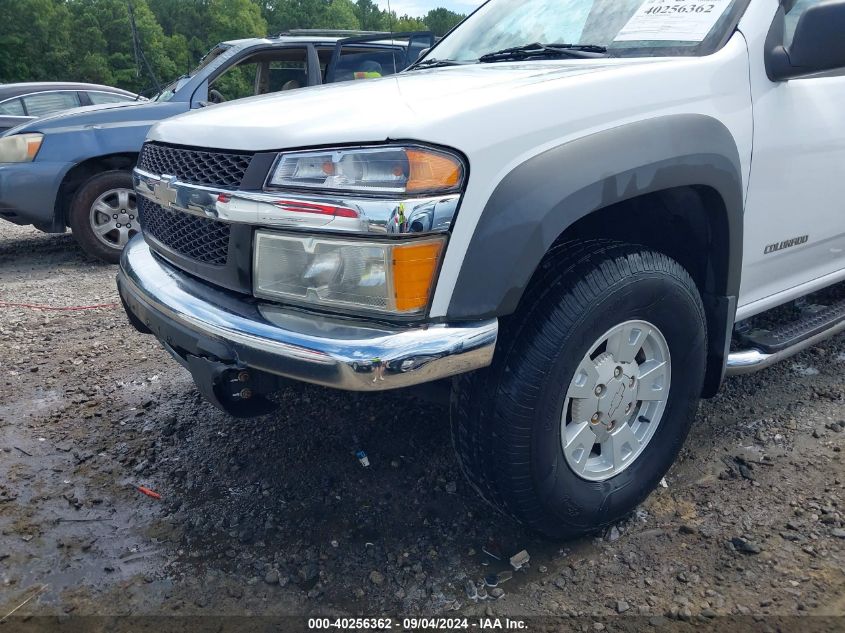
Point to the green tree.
(441, 21)
(408, 23)
(340, 14)
(370, 17)
(201, 24)
(283, 15)
(34, 40)
(103, 49)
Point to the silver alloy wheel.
(114, 217)
(616, 400)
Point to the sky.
(421, 7)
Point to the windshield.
(624, 27)
(170, 91)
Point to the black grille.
(195, 166)
(190, 236)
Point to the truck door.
(795, 211)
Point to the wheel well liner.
(79, 174)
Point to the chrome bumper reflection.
(310, 348)
(307, 212)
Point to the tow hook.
(235, 390)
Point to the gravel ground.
(276, 516)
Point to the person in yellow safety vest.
(366, 75)
(402, 221)
(369, 70)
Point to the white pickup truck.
(576, 210)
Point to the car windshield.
(170, 91)
(623, 27)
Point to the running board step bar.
(803, 334)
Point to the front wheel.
(592, 392)
(104, 215)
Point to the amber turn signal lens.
(32, 147)
(414, 268)
(432, 171)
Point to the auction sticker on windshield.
(673, 20)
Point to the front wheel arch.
(80, 173)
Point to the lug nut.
(633, 381)
(118, 225)
(599, 390)
(246, 394)
(596, 418)
(243, 376)
(617, 372)
(114, 217)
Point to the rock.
(271, 577)
(504, 576)
(377, 578)
(613, 534)
(746, 547)
(520, 560)
(687, 529)
(838, 532)
(482, 592)
(834, 426)
(308, 572)
(491, 580)
(497, 593)
(471, 590)
(622, 606)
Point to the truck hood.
(374, 110)
(143, 112)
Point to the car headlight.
(20, 148)
(387, 277)
(391, 169)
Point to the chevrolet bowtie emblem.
(165, 191)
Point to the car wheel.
(104, 215)
(592, 392)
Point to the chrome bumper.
(198, 319)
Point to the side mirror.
(818, 45)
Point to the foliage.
(91, 40)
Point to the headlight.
(385, 277)
(413, 170)
(20, 148)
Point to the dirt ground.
(276, 516)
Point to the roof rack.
(331, 32)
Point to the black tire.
(506, 419)
(80, 210)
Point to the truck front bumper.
(197, 321)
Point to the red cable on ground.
(32, 306)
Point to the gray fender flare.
(537, 201)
